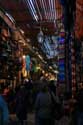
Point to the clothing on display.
(28, 61)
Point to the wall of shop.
(79, 19)
(11, 51)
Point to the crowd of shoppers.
(41, 98)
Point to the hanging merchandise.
(5, 33)
(28, 61)
(23, 62)
(33, 65)
(3, 52)
(5, 49)
(35, 69)
(18, 64)
(24, 73)
(8, 46)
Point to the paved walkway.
(31, 120)
(64, 121)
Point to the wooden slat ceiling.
(20, 11)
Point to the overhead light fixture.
(40, 37)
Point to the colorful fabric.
(28, 61)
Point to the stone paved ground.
(63, 121)
(31, 119)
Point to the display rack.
(10, 54)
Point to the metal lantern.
(40, 37)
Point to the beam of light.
(50, 12)
(46, 8)
(29, 6)
(32, 9)
(54, 9)
(30, 1)
(38, 10)
(55, 13)
(42, 3)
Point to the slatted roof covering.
(30, 14)
(43, 9)
(18, 11)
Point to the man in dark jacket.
(22, 104)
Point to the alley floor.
(31, 120)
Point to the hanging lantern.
(40, 37)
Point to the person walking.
(22, 104)
(4, 112)
(43, 106)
